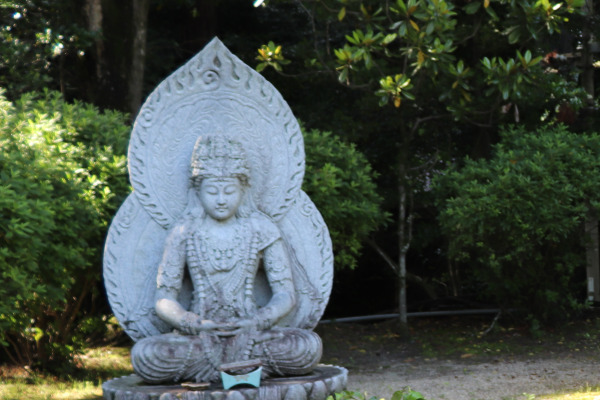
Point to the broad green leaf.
(430, 28)
(414, 25)
(486, 63)
(514, 36)
(420, 58)
(472, 8)
(260, 67)
(544, 3)
(343, 77)
(466, 95)
(536, 60)
(364, 10)
(389, 38)
(491, 12)
(402, 6)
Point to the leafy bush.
(404, 394)
(62, 176)
(339, 180)
(517, 218)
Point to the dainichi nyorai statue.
(218, 256)
(219, 241)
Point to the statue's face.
(220, 197)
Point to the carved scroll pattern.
(310, 245)
(122, 221)
(130, 274)
(184, 106)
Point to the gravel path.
(496, 380)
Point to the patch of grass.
(103, 363)
(94, 367)
(466, 338)
(588, 393)
(459, 337)
(51, 390)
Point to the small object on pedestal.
(237, 373)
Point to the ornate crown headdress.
(218, 156)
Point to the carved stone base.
(323, 381)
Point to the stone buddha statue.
(219, 241)
(218, 256)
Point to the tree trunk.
(138, 55)
(403, 245)
(591, 223)
(587, 58)
(116, 62)
(592, 256)
(93, 13)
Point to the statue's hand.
(192, 324)
(236, 327)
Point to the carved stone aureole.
(218, 256)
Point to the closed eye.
(231, 189)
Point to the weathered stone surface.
(218, 256)
(312, 386)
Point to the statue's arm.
(170, 278)
(279, 273)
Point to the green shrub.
(62, 176)
(339, 180)
(517, 218)
(405, 394)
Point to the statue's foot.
(297, 352)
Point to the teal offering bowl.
(252, 378)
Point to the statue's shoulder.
(264, 228)
(179, 231)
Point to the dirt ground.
(452, 358)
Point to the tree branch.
(383, 255)
(419, 121)
(410, 276)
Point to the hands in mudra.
(192, 324)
